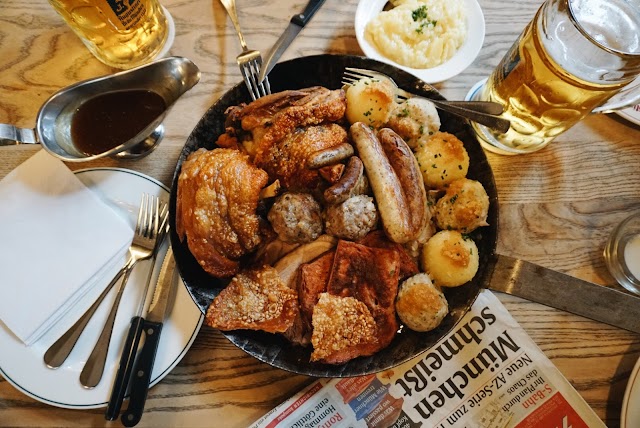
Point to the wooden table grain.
(557, 206)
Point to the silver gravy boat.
(168, 77)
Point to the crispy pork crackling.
(218, 194)
(255, 299)
(283, 132)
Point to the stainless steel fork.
(483, 112)
(61, 348)
(149, 225)
(249, 61)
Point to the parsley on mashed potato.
(419, 33)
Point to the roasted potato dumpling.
(370, 101)
(414, 119)
(450, 259)
(442, 159)
(464, 206)
(421, 305)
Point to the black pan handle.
(127, 358)
(142, 374)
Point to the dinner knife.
(542, 285)
(161, 304)
(296, 24)
(132, 341)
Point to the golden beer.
(553, 76)
(120, 33)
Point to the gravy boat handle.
(11, 135)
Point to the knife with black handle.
(127, 358)
(124, 368)
(296, 24)
(160, 307)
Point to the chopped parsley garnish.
(404, 112)
(420, 14)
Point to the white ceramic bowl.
(368, 9)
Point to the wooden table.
(557, 206)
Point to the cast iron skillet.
(326, 70)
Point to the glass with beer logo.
(120, 33)
(574, 58)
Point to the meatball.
(442, 159)
(421, 305)
(464, 206)
(352, 219)
(296, 218)
(450, 259)
(414, 119)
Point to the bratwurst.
(395, 179)
(406, 166)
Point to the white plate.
(24, 367)
(368, 9)
(630, 417)
(632, 114)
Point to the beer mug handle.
(627, 97)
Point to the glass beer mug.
(120, 33)
(575, 57)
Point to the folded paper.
(58, 238)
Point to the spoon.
(167, 78)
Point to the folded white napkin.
(56, 239)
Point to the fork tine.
(246, 75)
(156, 217)
(267, 85)
(155, 224)
(361, 72)
(250, 72)
(141, 214)
(356, 77)
(255, 67)
(348, 80)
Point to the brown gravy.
(108, 120)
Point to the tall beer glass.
(571, 59)
(120, 33)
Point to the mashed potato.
(419, 33)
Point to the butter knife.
(555, 289)
(160, 307)
(296, 24)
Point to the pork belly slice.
(369, 275)
(311, 281)
(255, 299)
(378, 239)
(343, 329)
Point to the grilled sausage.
(385, 184)
(343, 189)
(406, 166)
(330, 156)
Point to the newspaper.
(487, 373)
